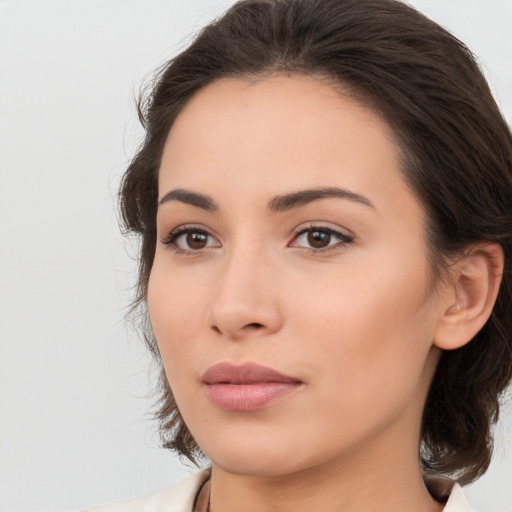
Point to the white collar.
(181, 497)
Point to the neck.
(373, 478)
(305, 494)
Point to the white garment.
(178, 498)
(181, 496)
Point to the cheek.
(370, 328)
(177, 311)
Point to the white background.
(75, 425)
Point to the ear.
(470, 295)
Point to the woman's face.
(288, 240)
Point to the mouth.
(247, 387)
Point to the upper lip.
(247, 373)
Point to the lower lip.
(249, 397)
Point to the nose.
(246, 299)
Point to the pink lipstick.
(246, 387)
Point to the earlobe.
(471, 296)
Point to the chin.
(260, 456)
(257, 465)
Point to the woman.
(324, 199)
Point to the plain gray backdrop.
(75, 425)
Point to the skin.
(355, 322)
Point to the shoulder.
(457, 502)
(177, 498)
(181, 496)
(447, 490)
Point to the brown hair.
(457, 156)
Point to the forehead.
(278, 133)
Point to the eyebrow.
(189, 197)
(277, 204)
(303, 197)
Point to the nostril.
(255, 325)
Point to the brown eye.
(190, 240)
(196, 240)
(319, 239)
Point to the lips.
(246, 387)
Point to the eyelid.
(170, 239)
(345, 237)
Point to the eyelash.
(344, 239)
(174, 235)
